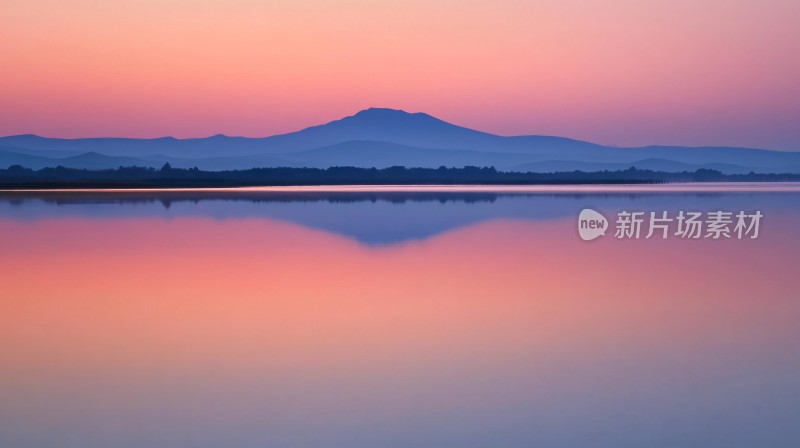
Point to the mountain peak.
(383, 118)
(23, 136)
(392, 126)
(381, 111)
(385, 113)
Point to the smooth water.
(395, 317)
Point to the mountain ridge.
(397, 138)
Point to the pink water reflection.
(255, 331)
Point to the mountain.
(387, 125)
(89, 160)
(9, 156)
(667, 166)
(383, 137)
(96, 161)
(369, 154)
(375, 124)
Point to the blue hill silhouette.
(381, 137)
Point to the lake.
(396, 317)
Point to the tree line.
(18, 177)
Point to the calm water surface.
(394, 317)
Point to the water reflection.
(385, 216)
(281, 323)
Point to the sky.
(620, 72)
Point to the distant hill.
(380, 137)
(667, 166)
(89, 160)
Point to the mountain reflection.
(370, 217)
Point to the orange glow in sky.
(621, 72)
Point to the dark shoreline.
(19, 178)
(166, 185)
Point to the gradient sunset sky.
(626, 72)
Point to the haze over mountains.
(381, 138)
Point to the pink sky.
(627, 72)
